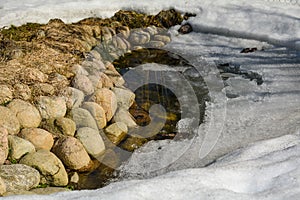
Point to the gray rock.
(19, 147)
(73, 97)
(3, 145)
(6, 94)
(72, 153)
(9, 121)
(107, 100)
(83, 83)
(19, 177)
(83, 118)
(27, 114)
(66, 125)
(40, 138)
(51, 107)
(51, 168)
(116, 132)
(97, 112)
(125, 117)
(125, 97)
(115, 78)
(91, 140)
(79, 70)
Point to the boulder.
(19, 177)
(22, 91)
(40, 138)
(83, 83)
(91, 140)
(83, 118)
(9, 121)
(97, 112)
(27, 114)
(3, 145)
(19, 147)
(72, 153)
(66, 126)
(73, 97)
(125, 97)
(6, 94)
(50, 167)
(125, 117)
(116, 132)
(51, 107)
(107, 100)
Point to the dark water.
(147, 95)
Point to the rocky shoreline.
(64, 107)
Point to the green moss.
(21, 33)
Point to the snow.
(248, 147)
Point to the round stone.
(9, 121)
(51, 107)
(19, 147)
(40, 138)
(97, 112)
(6, 94)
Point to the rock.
(40, 138)
(51, 107)
(108, 100)
(155, 44)
(22, 91)
(32, 75)
(139, 37)
(97, 112)
(27, 114)
(93, 67)
(105, 80)
(74, 177)
(152, 30)
(67, 126)
(43, 89)
(83, 118)
(83, 83)
(120, 44)
(2, 187)
(116, 132)
(6, 94)
(185, 29)
(125, 117)
(163, 38)
(96, 55)
(132, 143)
(3, 145)
(48, 190)
(19, 177)
(91, 140)
(9, 120)
(125, 97)
(73, 97)
(115, 78)
(97, 83)
(51, 168)
(79, 70)
(72, 153)
(19, 147)
(123, 31)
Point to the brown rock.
(6, 94)
(40, 138)
(116, 132)
(66, 125)
(2, 187)
(108, 100)
(27, 114)
(72, 153)
(19, 147)
(22, 91)
(97, 112)
(9, 120)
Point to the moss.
(25, 32)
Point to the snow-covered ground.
(234, 127)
